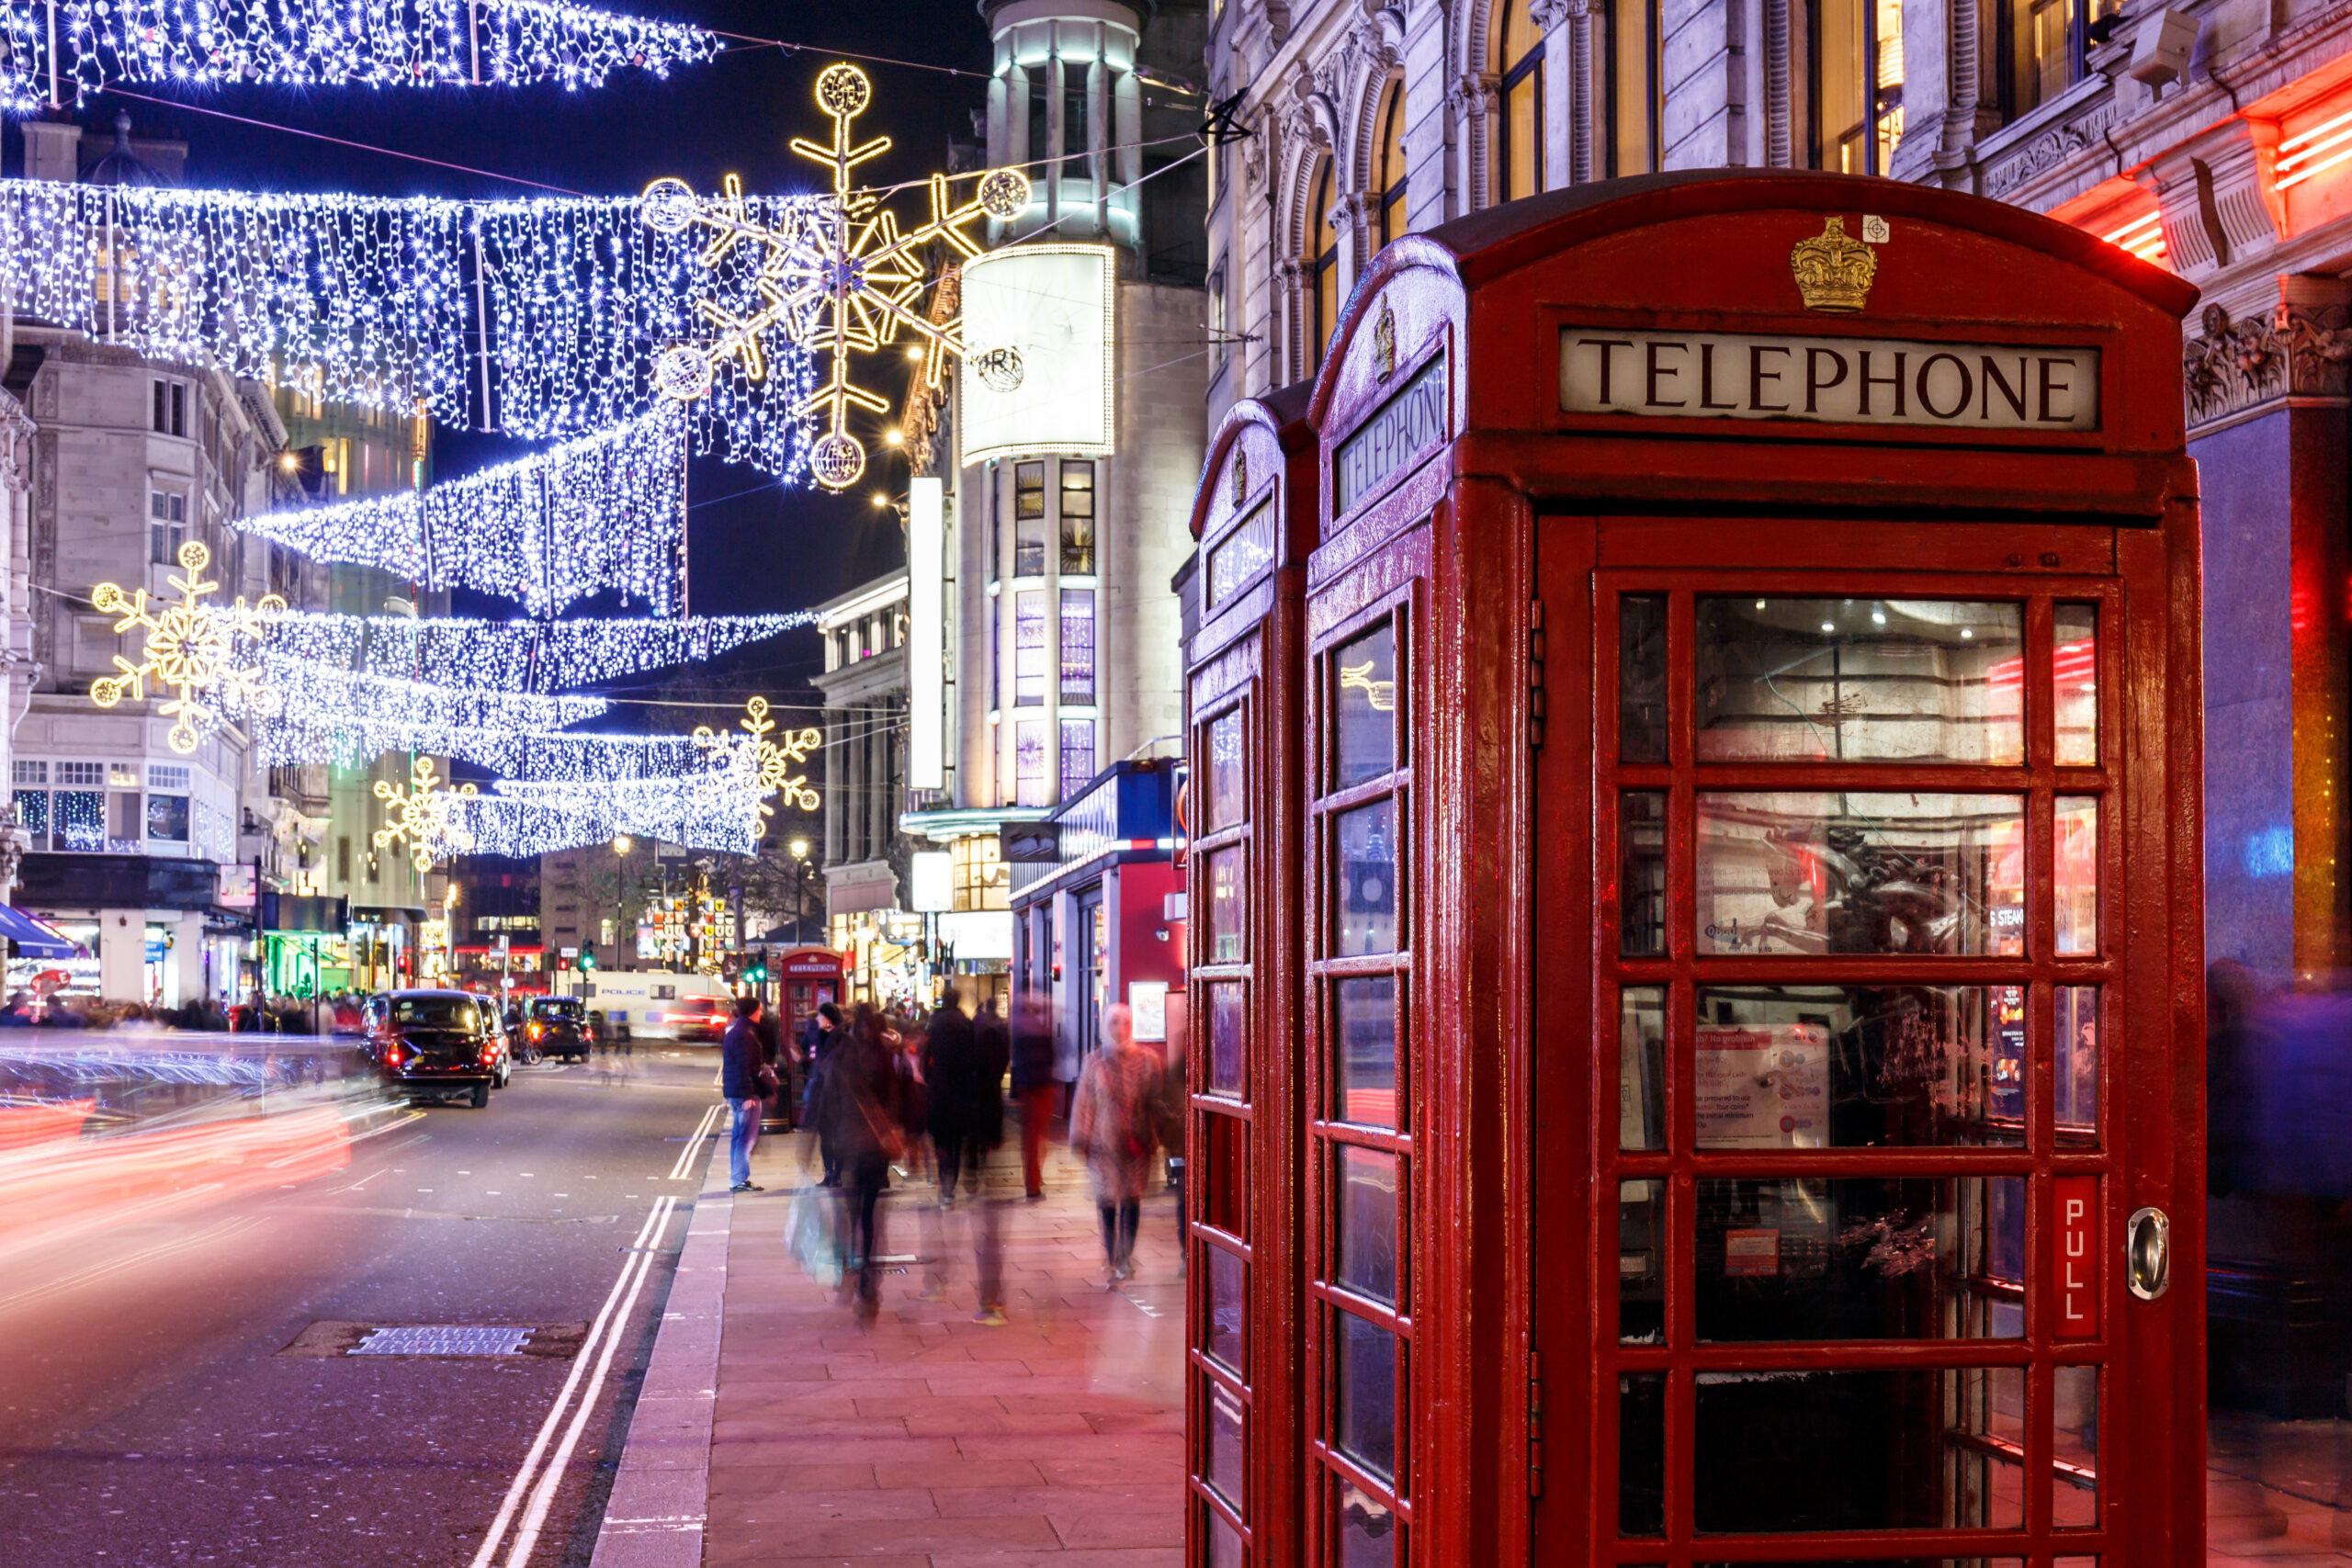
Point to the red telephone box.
(806, 978)
(1715, 923)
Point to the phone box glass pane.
(1905, 1460)
(1858, 680)
(1225, 1547)
(1364, 1421)
(1228, 1032)
(1851, 1066)
(1641, 1453)
(1641, 1262)
(1367, 1528)
(1367, 1230)
(1225, 1465)
(1229, 802)
(2076, 880)
(2074, 1037)
(1363, 674)
(1229, 1280)
(1641, 1067)
(1640, 867)
(1225, 911)
(2075, 1400)
(1858, 1258)
(1363, 1020)
(1366, 883)
(1641, 679)
(1814, 874)
(2074, 671)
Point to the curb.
(655, 1514)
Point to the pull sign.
(2074, 1271)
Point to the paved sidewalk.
(928, 1440)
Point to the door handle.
(2147, 1253)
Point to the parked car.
(558, 1026)
(702, 1020)
(432, 1045)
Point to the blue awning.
(33, 939)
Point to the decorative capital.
(2232, 365)
(1549, 13)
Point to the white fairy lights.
(710, 812)
(606, 511)
(539, 318)
(333, 715)
(379, 43)
(540, 657)
(838, 280)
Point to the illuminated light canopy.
(380, 43)
(335, 716)
(421, 816)
(603, 511)
(1038, 375)
(2143, 237)
(519, 818)
(838, 279)
(767, 758)
(521, 656)
(191, 650)
(537, 317)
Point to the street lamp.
(799, 847)
(622, 844)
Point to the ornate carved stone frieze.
(1474, 95)
(2040, 154)
(15, 445)
(2318, 343)
(1549, 13)
(2231, 365)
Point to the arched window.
(1322, 266)
(1518, 64)
(1388, 166)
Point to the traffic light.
(756, 972)
(587, 958)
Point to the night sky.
(756, 545)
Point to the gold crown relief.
(1833, 269)
(1241, 475)
(1384, 344)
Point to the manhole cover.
(440, 1339)
(544, 1341)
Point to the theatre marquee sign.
(1841, 380)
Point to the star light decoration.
(190, 648)
(839, 279)
(765, 758)
(422, 818)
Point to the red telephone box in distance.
(806, 978)
(1712, 928)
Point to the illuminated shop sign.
(1937, 386)
(1036, 376)
(1403, 428)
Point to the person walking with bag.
(861, 1109)
(1110, 1126)
(745, 1078)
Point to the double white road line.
(532, 1491)
(686, 1166)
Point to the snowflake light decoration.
(839, 278)
(422, 818)
(189, 649)
(767, 759)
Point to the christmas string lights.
(768, 757)
(512, 656)
(840, 280)
(603, 511)
(380, 43)
(539, 318)
(523, 819)
(335, 716)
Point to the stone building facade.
(2214, 137)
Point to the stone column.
(2267, 406)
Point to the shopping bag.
(809, 1232)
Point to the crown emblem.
(1241, 476)
(1832, 270)
(1384, 342)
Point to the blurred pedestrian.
(743, 1079)
(1168, 1107)
(1110, 1126)
(1033, 1088)
(950, 1078)
(819, 1037)
(861, 1105)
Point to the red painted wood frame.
(2128, 1158)
(1255, 520)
